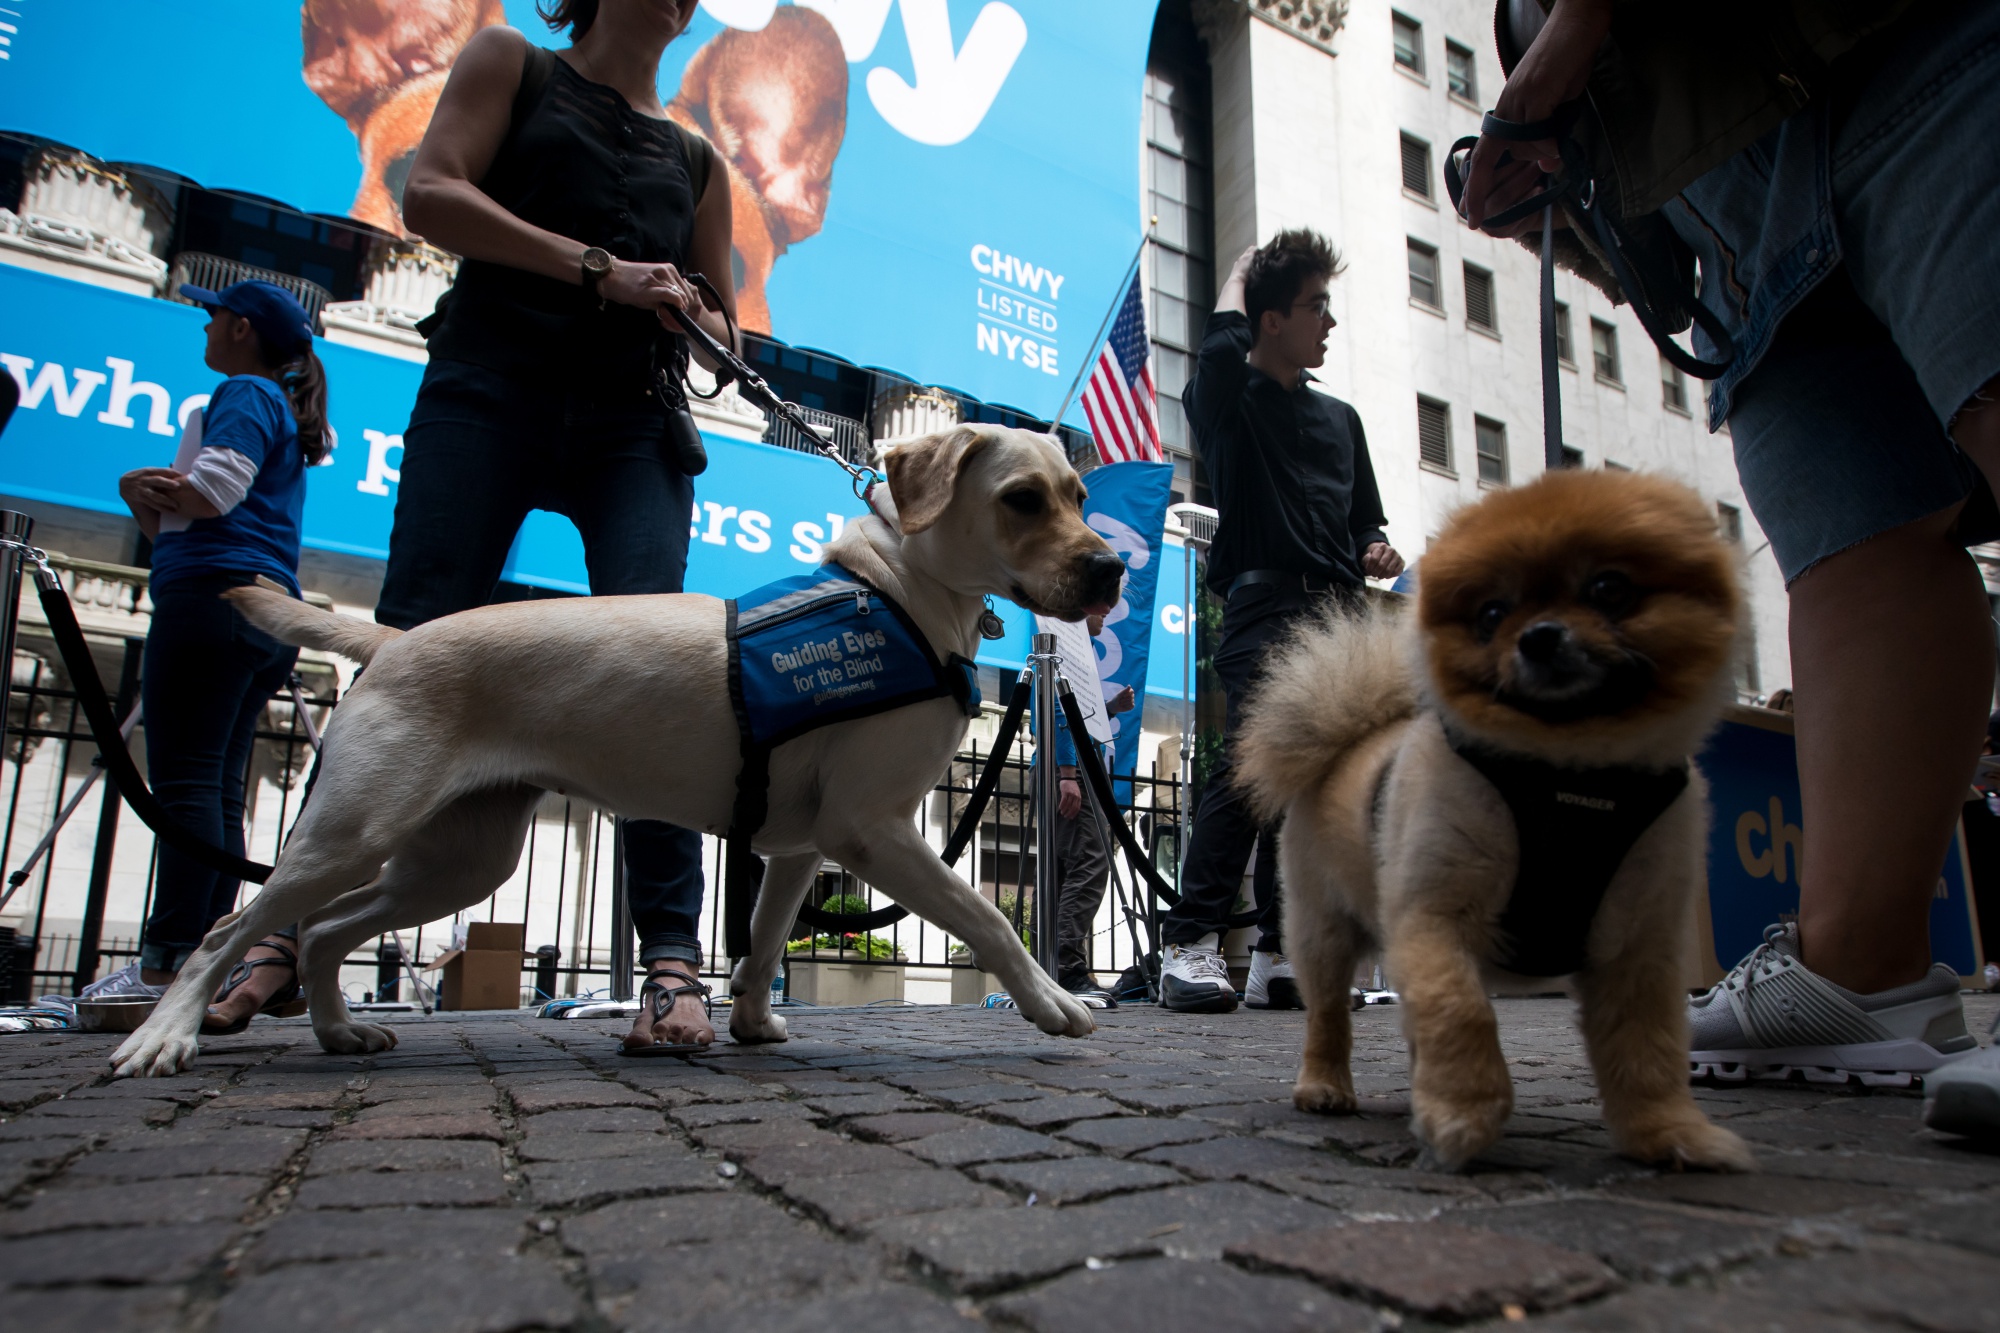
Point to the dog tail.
(1337, 681)
(289, 620)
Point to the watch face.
(596, 260)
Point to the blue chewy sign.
(1756, 845)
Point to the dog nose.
(1541, 641)
(1103, 570)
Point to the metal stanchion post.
(621, 918)
(17, 528)
(1047, 792)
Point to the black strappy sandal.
(288, 1002)
(658, 999)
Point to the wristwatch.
(596, 264)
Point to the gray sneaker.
(1773, 1017)
(124, 984)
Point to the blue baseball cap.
(274, 312)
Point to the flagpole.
(1117, 300)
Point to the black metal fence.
(86, 899)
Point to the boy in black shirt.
(1301, 520)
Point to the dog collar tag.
(991, 626)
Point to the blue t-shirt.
(249, 414)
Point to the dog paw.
(153, 1055)
(750, 1029)
(1323, 1098)
(1059, 1014)
(1453, 1133)
(1693, 1144)
(354, 1038)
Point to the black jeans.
(484, 449)
(208, 674)
(1224, 832)
(1082, 870)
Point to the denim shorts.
(1854, 253)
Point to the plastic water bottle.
(778, 987)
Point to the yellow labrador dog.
(435, 761)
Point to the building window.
(1604, 351)
(1179, 193)
(1730, 520)
(1565, 353)
(1491, 439)
(1409, 42)
(1479, 299)
(1461, 74)
(1416, 166)
(1424, 275)
(1673, 387)
(1434, 433)
(1572, 456)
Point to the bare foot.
(256, 990)
(685, 1023)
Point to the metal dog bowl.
(112, 1015)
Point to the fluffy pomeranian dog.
(1494, 787)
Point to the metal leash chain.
(754, 387)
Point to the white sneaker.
(1194, 979)
(1272, 984)
(124, 984)
(1773, 1017)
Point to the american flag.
(1124, 415)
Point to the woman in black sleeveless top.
(579, 209)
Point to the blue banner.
(947, 189)
(107, 379)
(1127, 506)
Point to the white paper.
(184, 463)
(1079, 663)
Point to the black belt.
(1282, 578)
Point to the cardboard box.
(486, 972)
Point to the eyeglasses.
(1318, 305)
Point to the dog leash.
(1574, 189)
(865, 480)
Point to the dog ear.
(924, 473)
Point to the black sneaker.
(1195, 979)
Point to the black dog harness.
(1575, 827)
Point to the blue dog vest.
(821, 648)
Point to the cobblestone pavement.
(922, 1168)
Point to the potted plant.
(843, 968)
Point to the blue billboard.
(946, 189)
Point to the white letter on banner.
(717, 516)
(859, 23)
(753, 531)
(805, 547)
(749, 15)
(70, 401)
(1173, 617)
(989, 339)
(953, 92)
(124, 389)
(380, 474)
